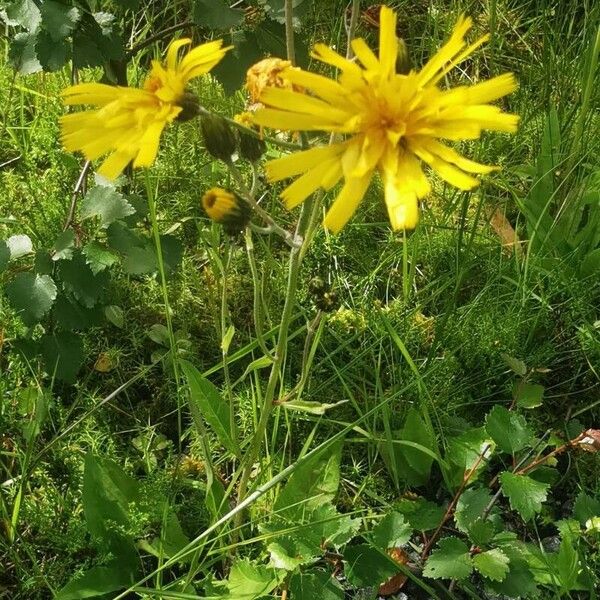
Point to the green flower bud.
(251, 148)
(190, 107)
(219, 138)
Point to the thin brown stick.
(79, 187)
(450, 510)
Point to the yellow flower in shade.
(267, 73)
(389, 122)
(128, 122)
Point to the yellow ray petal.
(445, 170)
(452, 156)
(149, 144)
(403, 208)
(291, 121)
(447, 52)
(365, 54)
(172, 52)
(325, 88)
(301, 103)
(327, 55)
(388, 42)
(300, 162)
(371, 151)
(458, 59)
(347, 202)
(485, 116)
(305, 185)
(480, 93)
(114, 165)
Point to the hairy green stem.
(278, 359)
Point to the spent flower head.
(127, 122)
(388, 121)
(267, 73)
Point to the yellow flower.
(389, 122)
(267, 73)
(128, 122)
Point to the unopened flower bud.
(190, 107)
(227, 209)
(219, 138)
(251, 146)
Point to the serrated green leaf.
(95, 41)
(140, 261)
(519, 581)
(19, 245)
(122, 239)
(524, 493)
(470, 507)
(31, 296)
(207, 403)
(231, 71)
(310, 586)
(300, 8)
(492, 564)
(63, 355)
(481, 532)
(22, 55)
(567, 564)
(80, 281)
(52, 55)
(63, 247)
(450, 560)
(71, 315)
(114, 314)
(529, 395)
(422, 514)
(289, 552)
(516, 365)
(249, 581)
(466, 450)
(98, 257)
(59, 20)
(586, 507)
(216, 14)
(392, 531)
(106, 203)
(24, 13)
(368, 567)
(508, 429)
